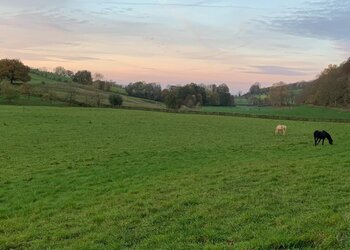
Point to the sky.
(179, 41)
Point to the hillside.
(48, 91)
(293, 88)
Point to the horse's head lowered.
(330, 140)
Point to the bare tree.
(26, 90)
(98, 77)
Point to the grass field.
(292, 111)
(74, 178)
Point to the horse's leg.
(323, 141)
(315, 139)
(318, 140)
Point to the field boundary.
(194, 112)
(270, 117)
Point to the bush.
(49, 96)
(115, 100)
(171, 102)
(26, 90)
(9, 92)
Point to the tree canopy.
(115, 100)
(331, 88)
(145, 90)
(14, 71)
(83, 77)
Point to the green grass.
(37, 79)
(241, 101)
(118, 90)
(84, 95)
(74, 178)
(292, 111)
(32, 101)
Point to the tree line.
(190, 95)
(279, 94)
(331, 88)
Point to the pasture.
(303, 111)
(73, 178)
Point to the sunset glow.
(179, 41)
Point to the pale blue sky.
(237, 42)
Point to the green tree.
(255, 89)
(171, 101)
(115, 100)
(346, 67)
(83, 77)
(14, 70)
(145, 90)
(225, 98)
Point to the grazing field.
(293, 111)
(74, 178)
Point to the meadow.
(301, 111)
(73, 178)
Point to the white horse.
(281, 129)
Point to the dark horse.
(321, 135)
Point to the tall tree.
(255, 89)
(225, 98)
(346, 67)
(279, 94)
(171, 101)
(14, 70)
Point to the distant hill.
(296, 87)
(51, 89)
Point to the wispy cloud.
(187, 40)
(278, 70)
(185, 4)
(321, 19)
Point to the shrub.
(26, 90)
(49, 96)
(9, 92)
(171, 102)
(115, 100)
